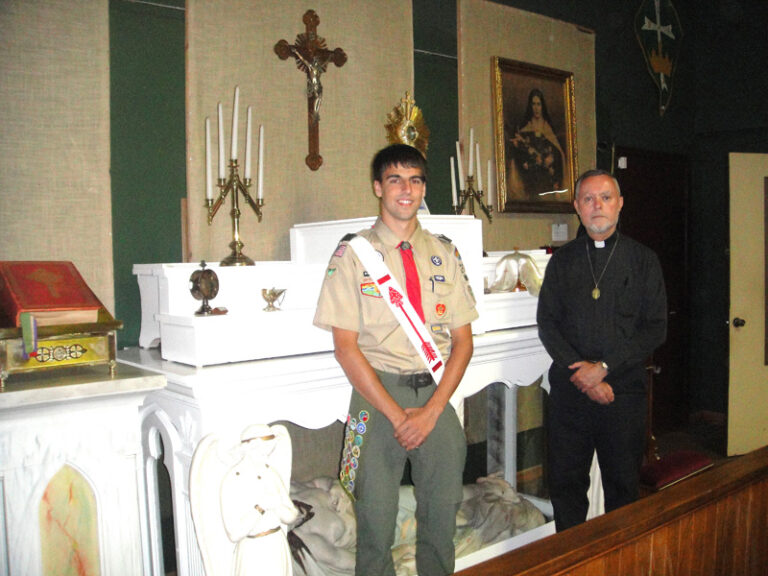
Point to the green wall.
(147, 145)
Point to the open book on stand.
(50, 318)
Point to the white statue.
(240, 502)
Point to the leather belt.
(417, 380)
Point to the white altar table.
(309, 390)
(76, 430)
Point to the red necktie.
(412, 285)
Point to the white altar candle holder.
(468, 194)
(236, 186)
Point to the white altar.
(226, 372)
(70, 457)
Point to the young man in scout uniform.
(397, 411)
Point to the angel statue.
(240, 502)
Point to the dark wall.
(148, 145)
(718, 105)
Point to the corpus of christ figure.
(312, 57)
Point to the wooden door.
(655, 188)
(748, 373)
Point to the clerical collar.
(604, 243)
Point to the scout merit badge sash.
(401, 307)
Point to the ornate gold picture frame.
(535, 137)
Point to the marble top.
(76, 383)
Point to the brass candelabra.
(469, 194)
(235, 186)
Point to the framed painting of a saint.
(535, 137)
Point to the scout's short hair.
(397, 155)
(595, 172)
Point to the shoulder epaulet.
(348, 237)
(444, 238)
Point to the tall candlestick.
(471, 150)
(459, 164)
(248, 146)
(221, 143)
(479, 167)
(490, 185)
(453, 184)
(208, 181)
(233, 148)
(261, 163)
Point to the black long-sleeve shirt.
(622, 327)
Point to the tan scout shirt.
(350, 299)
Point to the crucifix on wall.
(312, 57)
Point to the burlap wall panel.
(231, 43)
(54, 151)
(486, 30)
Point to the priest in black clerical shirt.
(602, 312)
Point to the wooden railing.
(713, 523)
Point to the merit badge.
(340, 249)
(440, 310)
(436, 260)
(370, 289)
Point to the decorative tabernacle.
(50, 318)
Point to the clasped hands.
(413, 429)
(589, 379)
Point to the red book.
(53, 292)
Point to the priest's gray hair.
(595, 172)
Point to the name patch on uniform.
(436, 260)
(439, 278)
(370, 289)
(440, 310)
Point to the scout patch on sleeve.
(370, 289)
(340, 249)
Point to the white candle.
(248, 146)
(471, 150)
(208, 183)
(233, 148)
(221, 143)
(479, 167)
(261, 163)
(453, 183)
(490, 185)
(458, 162)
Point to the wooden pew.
(713, 523)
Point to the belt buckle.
(422, 379)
